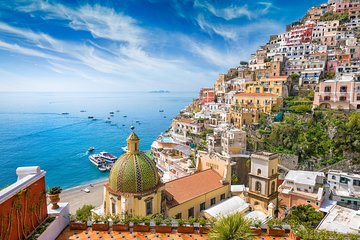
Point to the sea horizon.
(35, 132)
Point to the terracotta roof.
(282, 77)
(186, 120)
(255, 95)
(192, 186)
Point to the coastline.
(76, 197)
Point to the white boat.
(108, 167)
(86, 190)
(96, 160)
(124, 148)
(102, 169)
(107, 157)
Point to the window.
(149, 207)
(259, 171)
(343, 89)
(272, 187)
(202, 206)
(358, 98)
(257, 90)
(342, 98)
(191, 212)
(308, 201)
(333, 177)
(317, 203)
(113, 207)
(258, 186)
(212, 201)
(178, 216)
(327, 98)
(327, 89)
(222, 196)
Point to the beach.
(76, 197)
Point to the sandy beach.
(77, 197)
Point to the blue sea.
(34, 132)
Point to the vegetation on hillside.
(329, 136)
(329, 16)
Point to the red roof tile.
(192, 186)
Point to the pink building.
(346, 6)
(340, 93)
(207, 95)
(298, 34)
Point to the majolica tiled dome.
(133, 172)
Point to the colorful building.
(207, 95)
(340, 93)
(302, 187)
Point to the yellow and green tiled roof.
(134, 173)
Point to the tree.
(230, 227)
(304, 215)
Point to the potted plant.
(275, 228)
(79, 221)
(204, 228)
(142, 224)
(256, 227)
(101, 223)
(162, 225)
(184, 227)
(120, 223)
(53, 194)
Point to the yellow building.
(274, 85)
(263, 102)
(186, 197)
(263, 180)
(134, 185)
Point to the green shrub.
(83, 214)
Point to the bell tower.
(263, 178)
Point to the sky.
(132, 45)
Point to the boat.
(124, 116)
(124, 148)
(123, 125)
(90, 117)
(86, 190)
(137, 121)
(107, 121)
(161, 110)
(96, 160)
(65, 113)
(108, 167)
(117, 110)
(111, 113)
(107, 157)
(164, 116)
(90, 149)
(82, 110)
(102, 169)
(94, 119)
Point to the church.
(135, 188)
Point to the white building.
(345, 188)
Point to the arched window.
(272, 187)
(258, 186)
(258, 171)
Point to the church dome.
(133, 172)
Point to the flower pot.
(276, 232)
(78, 226)
(100, 226)
(54, 199)
(256, 231)
(141, 228)
(204, 230)
(163, 229)
(120, 227)
(185, 229)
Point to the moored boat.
(102, 169)
(90, 117)
(90, 149)
(107, 157)
(96, 160)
